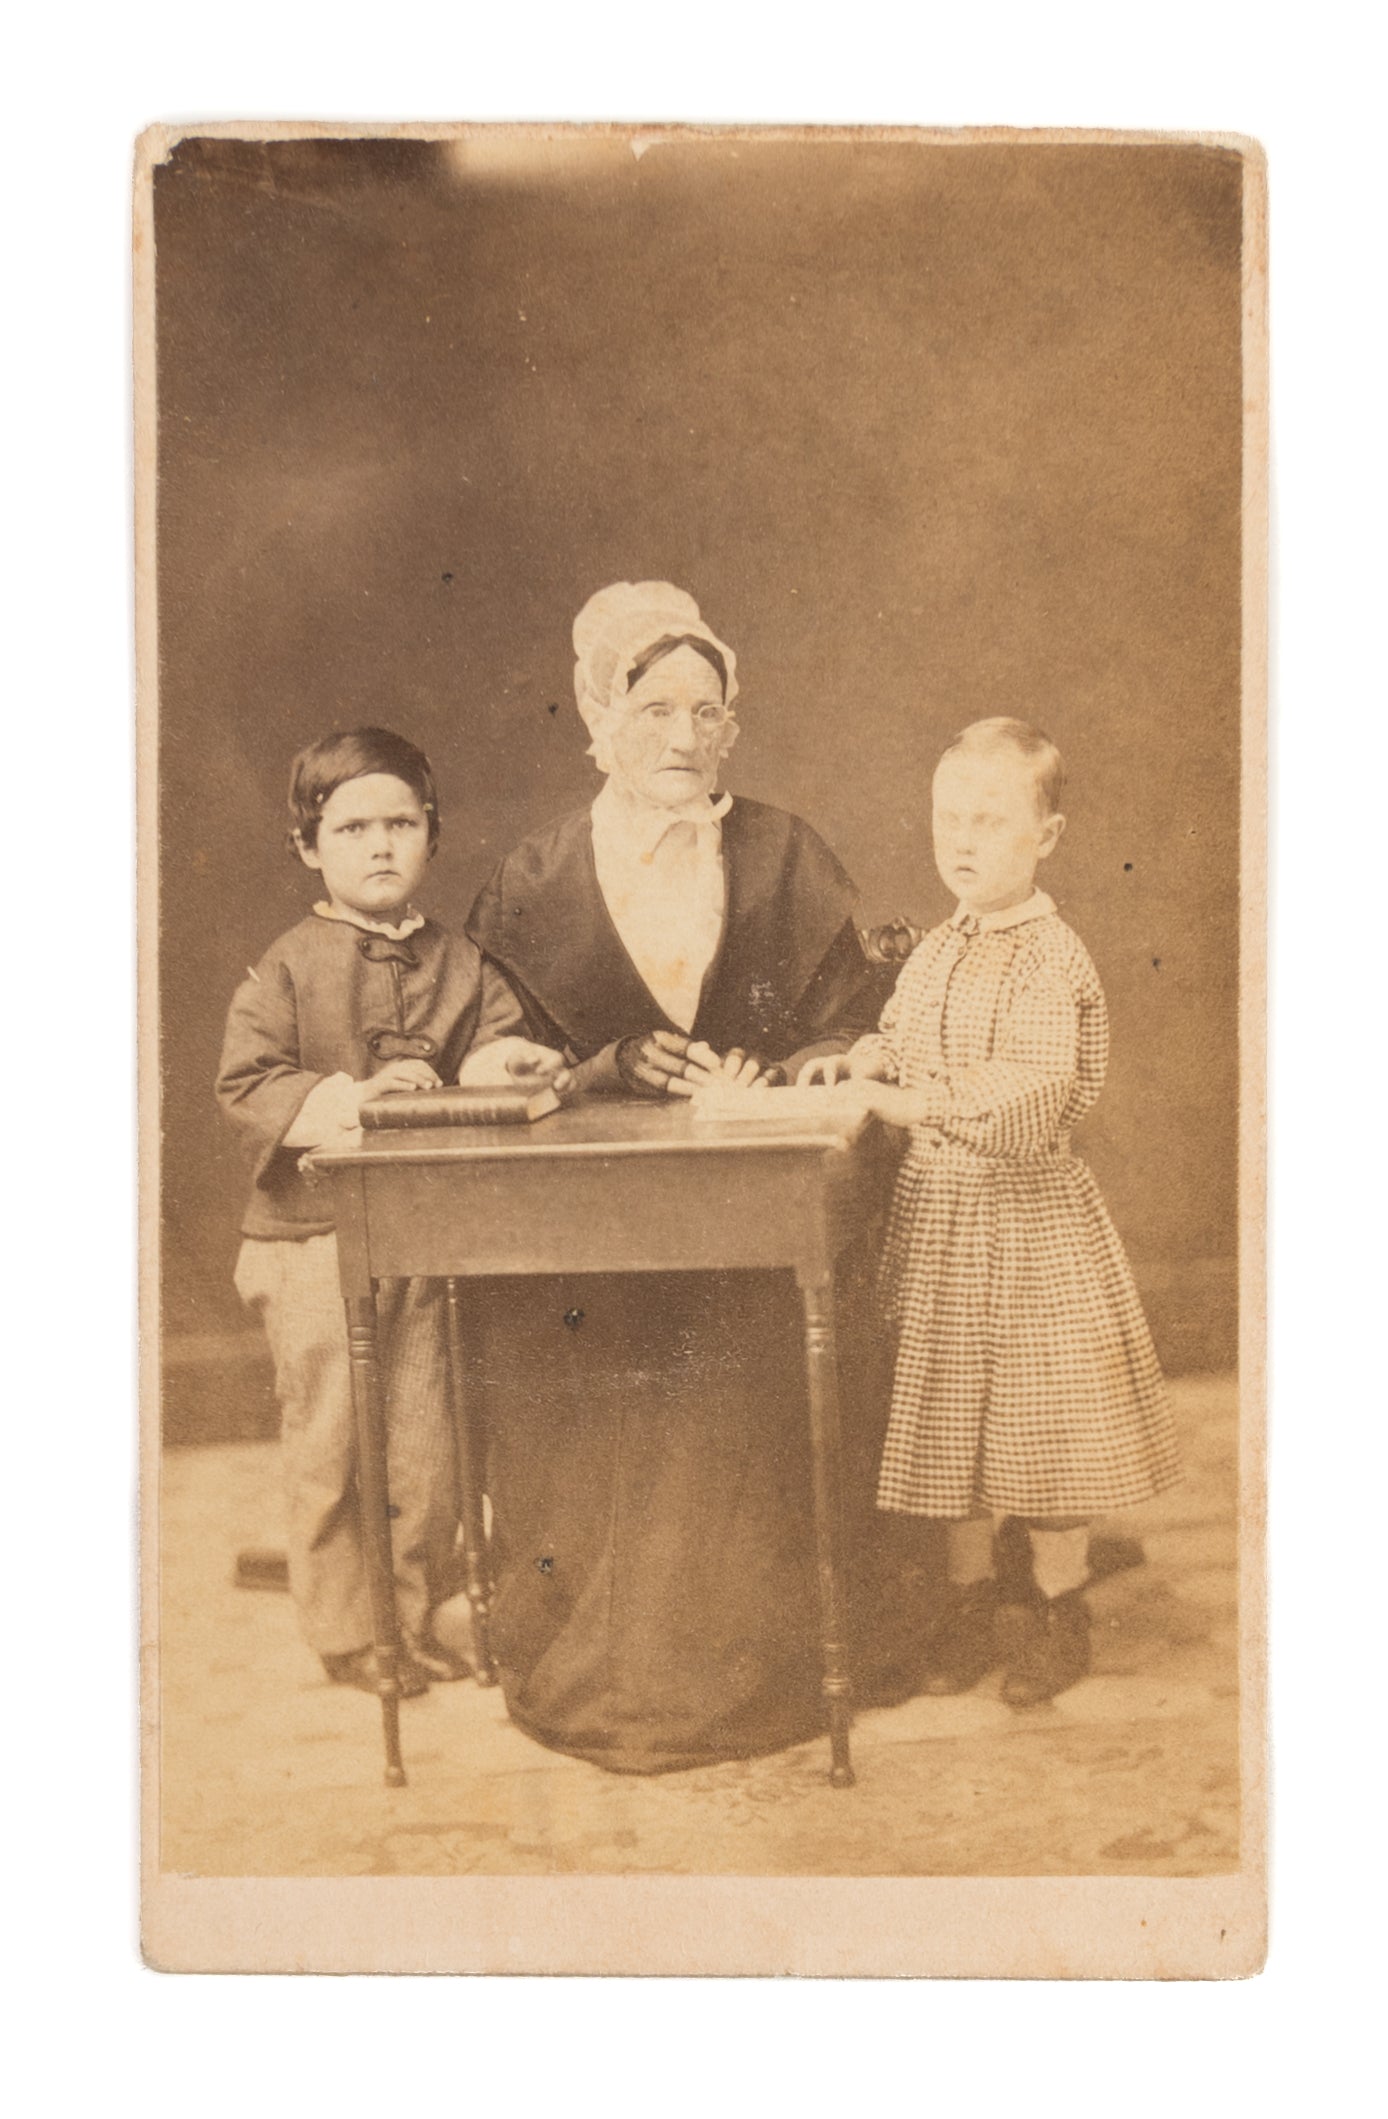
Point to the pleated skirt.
(1025, 1379)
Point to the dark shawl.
(789, 973)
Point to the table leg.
(821, 1366)
(375, 1519)
(475, 1558)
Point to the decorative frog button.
(385, 949)
(399, 1044)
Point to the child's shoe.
(1112, 1554)
(359, 1668)
(1045, 1646)
(962, 1647)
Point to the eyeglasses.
(707, 719)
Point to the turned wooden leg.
(374, 1495)
(475, 1557)
(821, 1366)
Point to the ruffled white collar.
(411, 923)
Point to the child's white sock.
(1060, 1558)
(970, 1551)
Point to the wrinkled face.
(671, 733)
(373, 846)
(989, 832)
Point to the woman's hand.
(742, 1070)
(657, 1061)
(671, 1064)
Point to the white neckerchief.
(1033, 908)
(411, 923)
(660, 872)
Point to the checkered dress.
(1025, 1375)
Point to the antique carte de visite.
(702, 734)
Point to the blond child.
(364, 997)
(1025, 1381)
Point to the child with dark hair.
(351, 754)
(364, 997)
(1026, 1386)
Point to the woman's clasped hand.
(675, 1065)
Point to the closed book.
(460, 1107)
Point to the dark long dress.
(656, 1601)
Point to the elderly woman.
(655, 1597)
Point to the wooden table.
(603, 1186)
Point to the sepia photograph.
(702, 752)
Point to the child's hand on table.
(518, 1061)
(833, 1067)
(397, 1077)
(537, 1065)
(898, 1107)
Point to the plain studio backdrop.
(930, 431)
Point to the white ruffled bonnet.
(614, 629)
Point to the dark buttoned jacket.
(329, 998)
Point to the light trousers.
(293, 1289)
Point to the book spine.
(444, 1111)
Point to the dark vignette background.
(931, 432)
